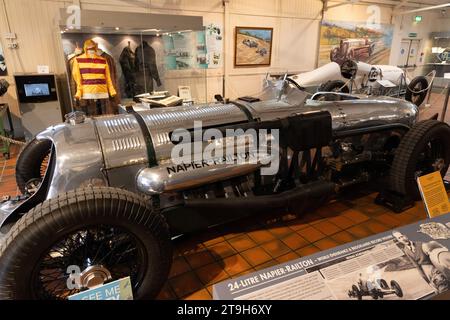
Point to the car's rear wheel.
(104, 233)
(424, 149)
(32, 162)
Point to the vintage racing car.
(362, 78)
(250, 43)
(358, 49)
(375, 289)
(262, 51)
(103, 197)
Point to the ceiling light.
(150, 30)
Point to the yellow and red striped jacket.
(93, 78)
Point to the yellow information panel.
(434, 194)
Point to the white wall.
(295, 23)
(34, 24)
(296, 26)
(356, 12)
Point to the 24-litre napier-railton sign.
(412, 262)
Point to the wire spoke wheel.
(431, 159)
(108, 247)
(82, 239)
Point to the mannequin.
(92, 75)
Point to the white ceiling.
(405, 3)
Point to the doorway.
(409, 52)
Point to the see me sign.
(117, 290)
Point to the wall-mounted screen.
(36, 88)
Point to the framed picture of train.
(253, 46)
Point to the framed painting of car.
(253, 46)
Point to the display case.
(438, 57)
(151, 62)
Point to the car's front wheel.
(103, 234)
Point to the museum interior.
(224, 149)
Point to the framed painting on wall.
(253, 46)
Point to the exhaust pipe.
(174, 177)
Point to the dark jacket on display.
(127, 61)
(146, 67)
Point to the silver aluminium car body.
(114, 151)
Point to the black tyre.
(113, 230)
(383, 284)
(396, 287)
(32, 162)
(424, 149)
(334, 86)
(415, 91)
